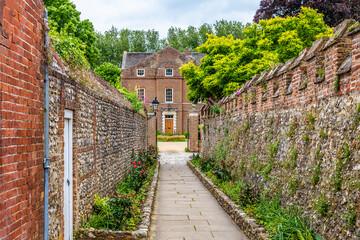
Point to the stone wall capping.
(353, 29)
(300, 59)
(287, 65)
(316, 47)
(261, 78)
(339, 32)
(247, 224)
(142, 233)
(346, 65)
(274, 71)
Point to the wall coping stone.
(144, 228)
(243, 221)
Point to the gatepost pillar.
(193, 130)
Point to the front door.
(169, 124)
(68, 179)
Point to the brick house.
(158, 75)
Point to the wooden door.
(169, 126)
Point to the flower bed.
(279, 222)
(126, 213)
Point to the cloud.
(162, 14)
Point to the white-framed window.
(140, 72)
(169, 116)
(141, 93)
(169, 72)
(168, 95)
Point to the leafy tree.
(65, 19)
(152, 41)
(204, 30)
(109, 72)
(230, 62)
(335, 11)
(224, 28)
(138, 41)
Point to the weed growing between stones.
(322, 206)
(291, 163)
(122, 209)
(317, 169)
(343, 156)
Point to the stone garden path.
(184, 208)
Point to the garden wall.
(105, 130)
(295, 130)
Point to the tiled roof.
(132, 58)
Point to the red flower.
(133, 163)
(141, 151)
(132, 148)
(134, 166)
(139, 162)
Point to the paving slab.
(185, 209)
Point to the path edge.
(246, 223)
(144, 229)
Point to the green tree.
(65, 19)
(230, 62)
(204, 30)
(109, 72)
(138, 41)
(224, 28)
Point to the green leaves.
(109, 72)
(230, 62)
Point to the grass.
(281, 222)
(175, 138)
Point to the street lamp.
(155, 106)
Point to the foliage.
(65, 20)
(322, 206)
(230, 62)
(343, 156)
(121, 210)
(71, 51)
(109, 72)
(249, 195)
(335, 11)
(280, 222)
(283, 223)
(317, 170)
(132, 97)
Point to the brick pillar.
(151, 130)
(193, 130)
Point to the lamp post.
(155, 106)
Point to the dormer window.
(140, 72)
(169, 72)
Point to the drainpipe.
(46, 140)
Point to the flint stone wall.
(105, 129)
(314, 126)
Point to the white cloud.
(162, 14)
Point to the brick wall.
(105, 130)
(21, 119)
(312, 124)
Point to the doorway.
(169, 124)
(68, 176)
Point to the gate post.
(151, 130)
(193, 130)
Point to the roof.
(132, 58)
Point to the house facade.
(158, 75)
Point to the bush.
(249, 195)
(121, 210)
(186, 134)
(186, 149)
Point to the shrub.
(249, 195)
(186, 149)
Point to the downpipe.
(46, 162)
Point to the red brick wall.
(22, 119)
(329, 56)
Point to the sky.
(160, 15)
